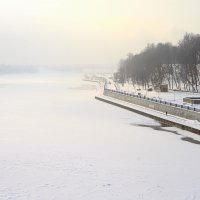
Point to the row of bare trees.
(176, 65)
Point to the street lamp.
(174, 95)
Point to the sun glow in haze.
(89, 32)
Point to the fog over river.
(58, 143)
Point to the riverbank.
(172, 120)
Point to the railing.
(154, 100)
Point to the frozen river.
(58, 143)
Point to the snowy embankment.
(183, 123)
(192, 125)
(175, 97)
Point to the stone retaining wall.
(180, 112)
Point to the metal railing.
(185, 107)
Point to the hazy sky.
(89, 32)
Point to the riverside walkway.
(172, 120)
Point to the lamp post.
(174, 95)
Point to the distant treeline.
(11, 69)
(177, 65)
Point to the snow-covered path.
(57, 142)
(195, 124)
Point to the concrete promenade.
(172, 120)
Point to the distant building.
(161, 88)
(164, 88)
(192, 100)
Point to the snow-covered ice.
(58, 143)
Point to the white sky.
(89, 32)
